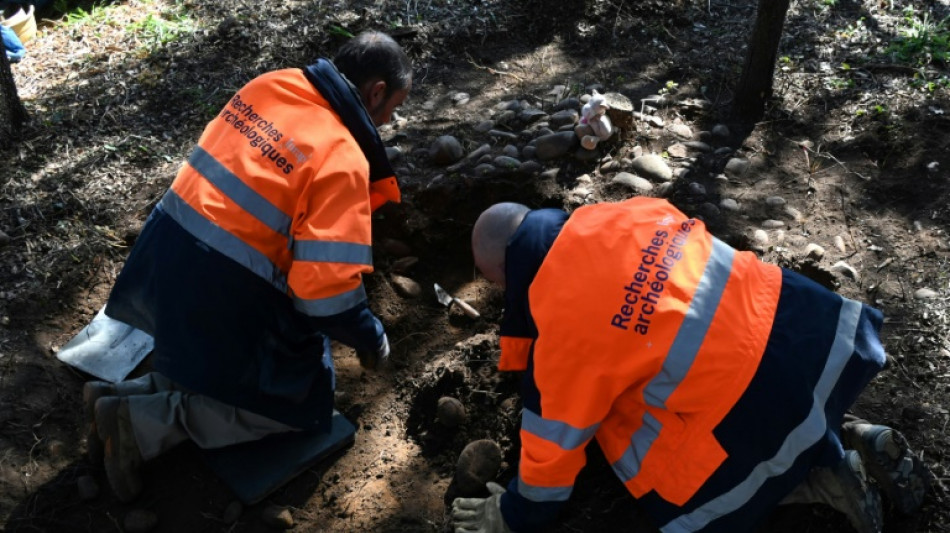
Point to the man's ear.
(375, 93)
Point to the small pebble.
(845, 269)
(925, 294)
(839, 244)
(814, 251)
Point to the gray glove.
(480, 515)
(376, 360)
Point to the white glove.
(378, 359)
(480, 515)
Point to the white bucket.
(23, 23)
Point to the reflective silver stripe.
(804, 436)
(693, 330)
(681, 356)
(333, 304)
(333, 252)
(218, 238)
(564, 435)
(628, 465)
(543, 494)
(238, 191)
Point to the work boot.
(844, 488)
(121, 455)
(856, 497)
(92, 391)
(901, 475)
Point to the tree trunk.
(755, 86)
(12, 113)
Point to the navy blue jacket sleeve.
(357, 328)
(523, 258)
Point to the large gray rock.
(564, 117)
(636, 183)
(445, 150)
(555, 145)
(652, 166)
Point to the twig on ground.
(494, 71)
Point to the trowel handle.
(467, 309)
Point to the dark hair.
(372, 55)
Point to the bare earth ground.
(855, 142)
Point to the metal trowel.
(447, 300)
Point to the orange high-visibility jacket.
(648, 331)
(279, 184)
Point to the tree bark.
(755, 85)
(12, 113)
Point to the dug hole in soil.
(856, 201)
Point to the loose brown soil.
(852, 142)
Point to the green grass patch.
(923, 41)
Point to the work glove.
(480, 515)
(378, 359)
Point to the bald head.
(492, 231)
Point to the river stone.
(760, 237)
(814, 251)
(729, 204)
(636, 183)
(484, 169)
(450, 412)
(775, 201)
(664, 188)
(393, 153)
(681, 130)
(530, 167)
(773, 224)
(445, 150)
(564, 117)
(485, 126)
(652, 166)
(555, 145)
(406, 286)
(925, 294)
(511, 150)
(4, 238)
(532, 115)
(696, 188)
(503, 135)
(477, 464)
(839, 244)
(737, 166)
(676, 150)
(568, 103)
(845, 269)
(584, 155)
(506, 163)
(721, 131)
(699, 146)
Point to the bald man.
(715, 384)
